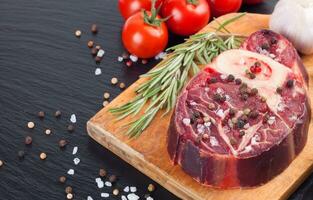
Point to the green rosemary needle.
(166, 80)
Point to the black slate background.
(43, 66)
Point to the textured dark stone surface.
(43, 66)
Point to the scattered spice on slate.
(62, 179)
(129, 63)
(151, 187)
(94, 29)
(1, 163)
(57, 114)
(47, 131)
(90, 43)
(106, 95)
(41, 114)
(122, 85)
(78, 33)
(144, 61)
(116, 192)
(133, 189)
(21, 154)
(62, 143)
(94, 51)
(279, 90)
(105, 103)
(69, 196)
(114, 80)
(112, 178)
(31, 125)
(43, 156)
(68, 189)
(98, 59)
(102, 172)
(28, 140)
(290, 83)
(98, 71)
(70, 128)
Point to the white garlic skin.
(294, 20)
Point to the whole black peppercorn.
(279, 90)
(112, 178)
(273, 40)
(265, 46)
(232, 112)
(62, 143)
(240, 123)
(254, 91)
(238, 81)
(21, 154)
(70, 128)
(290, 83)
(254, 114)
(28, 140)
(230, 78)
(241, 133)
(213, 80)
(41, 114)
(244, 96)
(102, 172)
(57, 114)
(252, 76)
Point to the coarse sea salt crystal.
(89, 198)
(271, 120)
(98, 180)
(108, 184)
(75, 149)
(71, 172)
(120, 59)
(133, 58)
(126, 189)
(133, 189)
(100, 53)
(105, 195)
(213, 141)
(220, 113)
(76, 161)
(73, 118)
(186, 121)
(149, 198)
(132, 196)
(123, 197)
(100, 184)
(98, 71)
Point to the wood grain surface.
(149, 155)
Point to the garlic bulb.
(294, 20)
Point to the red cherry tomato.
(142, 39)
(186, 16)
(130, 7)
(250, 2)
(222, 7)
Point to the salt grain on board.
(76, 161)
(123, 197)
(108, 184)
(75, 149)
(100, 53)
(89, 198)
(133, 58)
(120, 59)
(133, 189)
(132, 196)
(98, 71)
(105, 195)
(100, 184)
(126, 189)
(71, 172)
(149, 198)
(73, 118)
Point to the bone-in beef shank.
(241, 121)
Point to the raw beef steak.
(239, 122)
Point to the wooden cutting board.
(149, 155)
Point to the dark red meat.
(236, 128)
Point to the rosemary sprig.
(165, 81)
